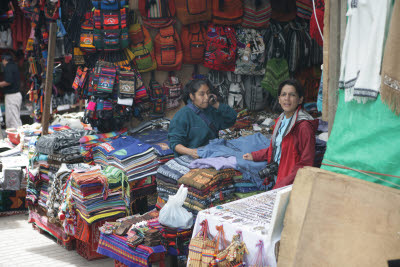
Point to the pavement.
(21, 245)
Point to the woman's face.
(289, 99)
(200, 98)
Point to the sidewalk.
(21, 245)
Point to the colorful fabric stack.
(158, 139)
(88, 142)
(135, 158)
(176, 241)
(207, 187)
(100, 194)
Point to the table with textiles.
(259, 217)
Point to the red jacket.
(298, 147)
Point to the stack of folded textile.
(206, 187)
(33, 188)
(88, 142)
(100, 194)
(135, 158)
(244, 188)
(152, 238)
(158, 139)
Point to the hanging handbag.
(200, 242)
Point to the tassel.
(390, 93)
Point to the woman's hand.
(248, 156)
(193, 153)
(213, 101)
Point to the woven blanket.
(202, 178)
(115, 247)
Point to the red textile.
(20, 28)
(297, 151)
(314, 32)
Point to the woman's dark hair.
(193, 86)
(7, 56)
(295, 83)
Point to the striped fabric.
(157, 13)
(115, 247)
(304, 8)
(227, 12)
(142, 47)
(256, 16)
(277, 71)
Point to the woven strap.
(203, 116)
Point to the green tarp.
(365, 137)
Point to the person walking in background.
(11, 90)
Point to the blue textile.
(238, 147)
(279, 136)
(122, 147)
(157, 138)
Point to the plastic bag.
(173, 214)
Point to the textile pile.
(135, 158)
(100, 194)
(207, 187)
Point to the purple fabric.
(219, 163)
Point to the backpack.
(173, 90)
(86, 41)
(157, 96)
(251, 52)
(193, 11)
(142, 47)
(168, 47)
(109, 4)
(227, 12)
(110, 29)
(276, 71)
(194, 43)
(157, 13)
(254, 95)
(256, 13)
(221, 48)
(236, 89)
(219, 81)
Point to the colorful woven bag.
(168, 47)
(221, 48)
(194, 43)
(109, 4)
(173, 90)
(193, 11)
(250, 52)
(157, 13)
(227, 12)
(142, 47)
(256, 13)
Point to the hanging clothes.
(362, 49)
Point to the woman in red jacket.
(293, 140)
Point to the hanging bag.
(87, 38)
(221, 48)
(173, 90)
(209, 254)
(251, 52)
(109, 4)
(142, 47)
(157, 13)
(227, 12)
(254, 93)
(198, 243)
(157, 96)
(168, 47)
(194, 43)
(193, 11)
(256, 13)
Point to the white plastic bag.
(173, 214)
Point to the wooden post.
(337, 22)
(325, 99)
(49, 78)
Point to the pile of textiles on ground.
(155, 133)
(88, 142)
(206, 187)
(248, 123)
(99, 194)
(131, 240)
(137, 159)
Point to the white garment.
(13, 108)
(362, 49)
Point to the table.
(259, 217)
